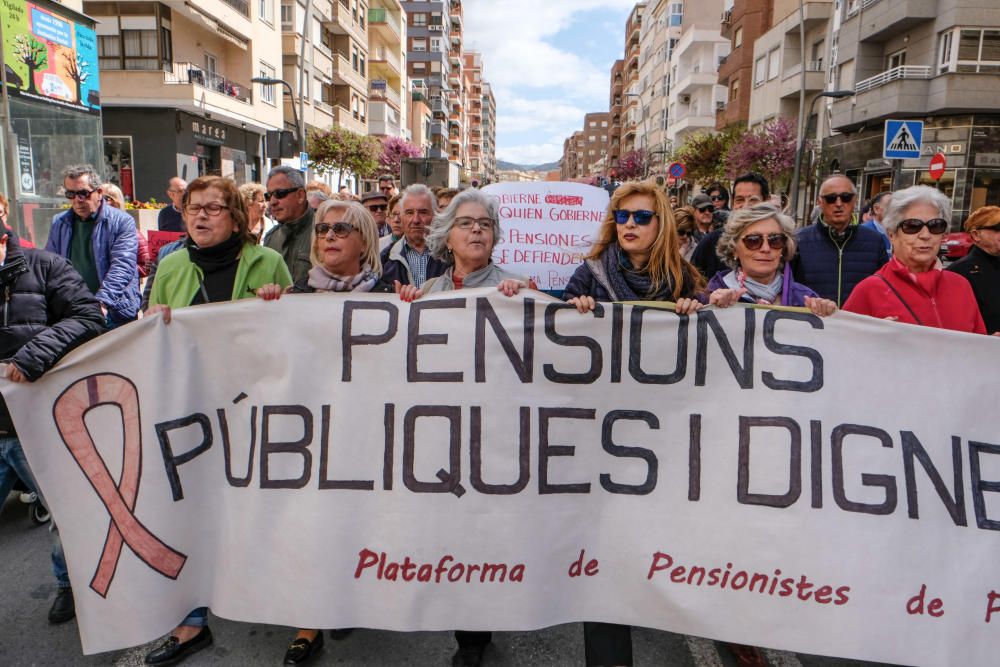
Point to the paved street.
(27, 639)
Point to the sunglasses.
(377, 208)
(756, 241)
(914, 225)
(719, 198)
(340, 229)
(79, 194)
(846, 197)
(992, 228)
(705, 209)
(639, 217)
(279, 194)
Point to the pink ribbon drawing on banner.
(69, 412)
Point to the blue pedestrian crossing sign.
(903, 139)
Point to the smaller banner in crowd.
(471, 461)
(548, 228)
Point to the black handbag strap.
(900, 297)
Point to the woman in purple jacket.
(758, 243)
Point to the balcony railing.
(894, 74)
(380, 15)
(383, 94)
(856, 6)
(189, 73)
(242, 6)
(814, 65)
(383, 54)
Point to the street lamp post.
(299, 126)
(835, 94)
(645, 129)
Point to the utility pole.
(11, 165)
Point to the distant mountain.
(548, 166)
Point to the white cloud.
(542, 91)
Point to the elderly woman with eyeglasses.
(912, 287)
(757, 244)
(463, 237)
(637, 256)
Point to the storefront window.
(985, 189)
(118, 164)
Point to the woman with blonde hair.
(637, 255)
(253, 197)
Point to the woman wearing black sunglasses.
(912, 287)
(758, 243)
(637, 256)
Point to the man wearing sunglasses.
(378, 205)
(292, 237)
(100, 242)
(835, 253)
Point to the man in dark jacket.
(748, 190)
(292, 237)
(48, 310)
(835, 253)
(408, 260)
(981, 267)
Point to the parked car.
(956, 245)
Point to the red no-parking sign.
(938, 163)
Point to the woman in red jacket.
(911, 287)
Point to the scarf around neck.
(322, 280)
(630, 284)
(765, 294)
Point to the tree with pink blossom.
(632, 165)
(768, 151)
(394, 150)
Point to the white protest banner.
(477, 462)
(548, 228)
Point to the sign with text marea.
(548, 228)
(472, 461)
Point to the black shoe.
(301, 650)
(63, 608)
(172, 651)
(341, 633)
(468, 656)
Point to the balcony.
(385, 24)
(385, 94)
(342, 23)
(894, 74)
(383, 120)
(437, 128)
(343, 117)
(791, 79)
(880, 20)
(188, 73)
(815, 14)
(381, 56)
(694, 80)
(344, 74)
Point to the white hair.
(437, 233)
(918, 194)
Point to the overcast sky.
(549, 62)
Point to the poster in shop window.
(48, 56)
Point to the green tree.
(704, 154)
(33, 54)
(338, 149)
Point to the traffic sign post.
(937, 166)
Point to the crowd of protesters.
(726, 246)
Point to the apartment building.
(659, 35)
(388, 90)
(615, 105)
(176, 91)
(586, 153)
(932, 60)
(631, 107)
(458, 124)
(489, 165)
(434, 72)
(742, 24)
(695, 94)
(419, 116)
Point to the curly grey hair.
(437, 233)
(918, 194)
(293, 175)
(75, 171)
(742, 218)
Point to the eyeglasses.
(377, 208)
(752, 200)
(465, 224)
(340, 229)
(639, 217)
(683, 233)
(756, 241)
(719, 198)
(79, 194)
(212, 209)
(705, 209)
(846, 197)
(914, 225)
(280, 193)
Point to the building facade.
(489, 165)
(935, 61)
(388, 90)
(742, 24)
(660, 33)
(615, 98)
(176, 81)
(631, 106)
